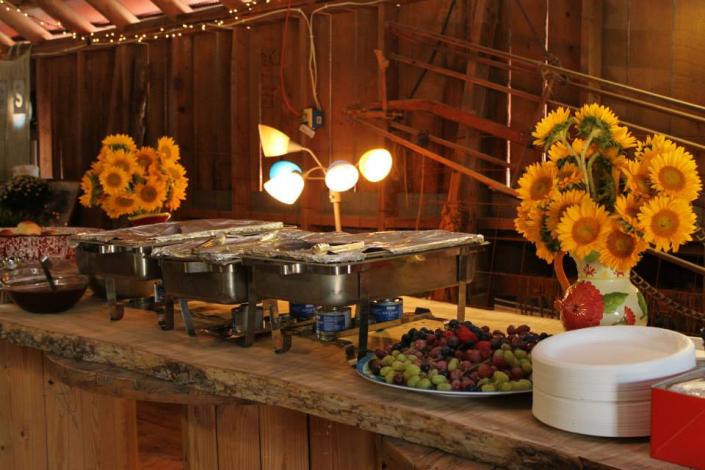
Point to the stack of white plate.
(597, 381)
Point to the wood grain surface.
(313, 378)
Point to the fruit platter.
(459, 360)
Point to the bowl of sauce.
(37, 296)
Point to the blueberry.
(453, 324)
(496, 343)
(446, 351)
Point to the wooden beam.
(6, 40)
(23, 24)
(68, 16)
(173, 8)
(492, 184)
(461, 117)
(115, 12)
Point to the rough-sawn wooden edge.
(375, 416)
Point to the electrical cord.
(282, 85)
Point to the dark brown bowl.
(38, 297)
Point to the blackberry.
(453, 324)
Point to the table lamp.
(286, 179)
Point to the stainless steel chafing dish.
(377, 266)
(209, 271)
(126, 253)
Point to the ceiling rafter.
(115, 12)
(68, 17)
(24, 25)
(6, 40)
(173, 8)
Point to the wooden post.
(199, 437)
(340, 446)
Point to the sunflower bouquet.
(601, 195)
(131, 181)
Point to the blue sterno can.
(387, 310)
(331, 320)
(302, 311)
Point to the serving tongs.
(46, 267)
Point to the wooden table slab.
(314, 378)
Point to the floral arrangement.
(603, 195)
(125, 180)
(24, 197)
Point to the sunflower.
(167, 147)
(120, 204)
(522, 220)
(638, 177)
(544, 252)
(558, 206)
(119, 142)
(583, 228)
(114, 180)
(145, 157)
(87, 186)
(675, 174)
(569, 177)
(578, 145)
(548, 128)
(123, 160)
(559, 151)
(628, 208)
(667, 222)
(174, 197)
(150, 195)
(657, 143)
(622, 137)
(595, 117)
(538, 182)
(174, 170)
(621, 250)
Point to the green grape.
(402, 357)
(424, 384)
(520, 353)
(444, 387)
(498, 377)
(505, 387)
(412, 381)
(389, 378)
(522, 384)
(398, 366)
(395, 353)
(384, 370)
(488, 388)
(438, 379)
(413, 368)
(388, 360)
(453, 364)
(432, 372)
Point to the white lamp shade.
(375, 164)
(341, 176)
(274, 142)
(285, 187)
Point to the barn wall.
(209, 90)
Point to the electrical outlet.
(313, 118)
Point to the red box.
(678, 423)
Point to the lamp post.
(287, 180)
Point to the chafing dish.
(388, 264)
(126, 253)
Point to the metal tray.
(379, 276)
(363, 370)
(200, 280)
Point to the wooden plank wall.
(210, 89)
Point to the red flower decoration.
(629, 316)
(588, 270)
(582, 306)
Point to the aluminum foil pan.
(174, 232)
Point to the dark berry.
(453, 324)
(453, 342)
(446, 351)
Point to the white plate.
(364, 371)
(699, 348)
(594, 418)
(609, 363)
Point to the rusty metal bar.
(541, 65)
(451, 145)
(492, 184)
